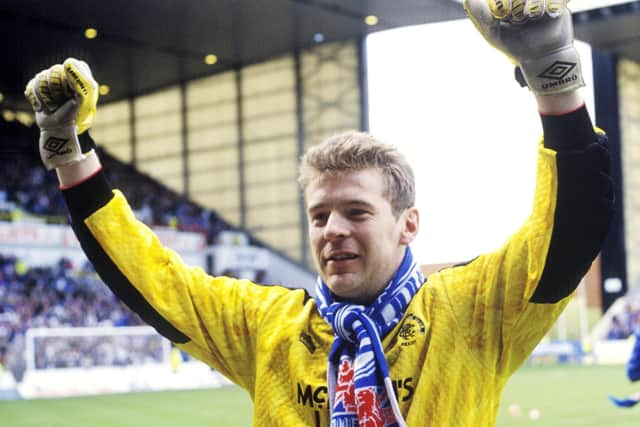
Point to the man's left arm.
(584, 195)
(505, 301)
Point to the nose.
(337, 226)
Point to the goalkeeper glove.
(536, 35)
(64, 98)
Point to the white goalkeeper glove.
(64, 98)
(537, 35)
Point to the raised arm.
(508, 299)
(538, 38)
(183, 303)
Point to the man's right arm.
(213, 318)
(86, 191)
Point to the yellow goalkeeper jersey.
(464, 333)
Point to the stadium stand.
(156, 205)
(33, 194)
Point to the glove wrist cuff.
(555, 73)
(59, 146)
(69, 160)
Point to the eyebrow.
(353, 202)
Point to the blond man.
(378, 345)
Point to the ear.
(410, 220)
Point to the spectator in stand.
(627, 322)
(57, 352)
(618, 330)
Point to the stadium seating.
(28, 190)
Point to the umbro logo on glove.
(56, 147)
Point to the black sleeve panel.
(572, 131)
(584, 205)
(84, 199)
(87, 197)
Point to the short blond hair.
(355, 151)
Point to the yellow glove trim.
(499, 8)
(86, 88)
(554, 7)
(518, 11)
(30, 94)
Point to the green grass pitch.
(565, 396)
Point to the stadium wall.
(105, 380)
(44, 244)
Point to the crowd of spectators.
(56, 296)
(32, 192)
(92, 351)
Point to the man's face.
(356, 240)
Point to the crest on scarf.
(369, 405)
(345, 401)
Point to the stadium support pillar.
(240, 128)
(185, 139)
(132, 129)
(304, 242)
(363, 84)
(613, 255)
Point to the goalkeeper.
(377, 345)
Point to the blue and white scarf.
(360, 389)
